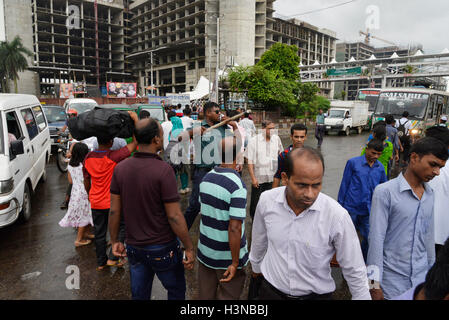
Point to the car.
(156, 111)
(25, 149)
(57, 119)
(81, 105)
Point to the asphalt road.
(39, 260)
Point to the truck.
(344, 116)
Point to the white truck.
(344, 116)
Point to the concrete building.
(314, 44)
(65, 42)
(16, 16)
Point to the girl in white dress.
(79, 214)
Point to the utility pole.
(218, 59)
(210, 71)
(151, 58)
(97, 54)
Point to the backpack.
(402, 130)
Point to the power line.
(322, 9)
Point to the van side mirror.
(17, 148)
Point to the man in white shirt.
(297, 230)
(404, 125)
(250, 128)
(262, 155)
(187, 122)
(440, 186)
(167, 126)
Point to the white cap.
(444, 118)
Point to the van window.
(40, 119)
(30, 122)
(14, 130)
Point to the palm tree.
(12, 61)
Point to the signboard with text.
(343, 72)
(176, 99)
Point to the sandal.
(82, 243)
(119, 263)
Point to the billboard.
(66, 91)
(121, 90)
(176, 99)
(158, 100)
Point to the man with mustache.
(297, 230)
(401, 237)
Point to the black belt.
(312, 296)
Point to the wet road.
(38, 258)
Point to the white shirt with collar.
(264, 155)
(294, 252)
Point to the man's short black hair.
(389, 119)
(144, 114)
(429, 145)
(235, 148)
(179, 106)
(310, 153)
(146, 134)
(440, 133)
(171, 114)
(246, 114)
(380, 131)
(194, 109)
(298, 127)
(187, 111)
(405, 114)
(104, 139)
(376, 144)
(210, 105)
(436, 286)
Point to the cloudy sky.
(400, 21)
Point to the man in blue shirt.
(319, 130)
(360, 178)
(401, 238)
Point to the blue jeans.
(361, 224)
(163, 260)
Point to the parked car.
(24, 153)
(57, 118)
(81, 105)
(156, 111)
(343, 116)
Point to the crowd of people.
(388, 235)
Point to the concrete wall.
(18, 22)
(237, 31)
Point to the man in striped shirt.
(222, 248)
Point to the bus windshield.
(396, 103)
(369, 96)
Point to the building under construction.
(65, 38)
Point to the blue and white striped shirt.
(222, 197)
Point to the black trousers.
(100, 219)
(255, 195)
(268, 292)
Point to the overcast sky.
(400, 21)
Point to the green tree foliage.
(274, 82)
(282, 58)
(12, 61)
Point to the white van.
(81, 105)
(25, 148)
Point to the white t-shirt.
(187, 122)
(166, 128)
(407, 126)
(440, 186)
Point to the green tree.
(283, 58)
(12, 61)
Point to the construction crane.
(368, 37)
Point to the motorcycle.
(64, 143)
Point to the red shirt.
(98, 167)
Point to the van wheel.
(359, 130)
(25, 214)
(347, 131)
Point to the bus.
(425, 107)
(371, 95)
